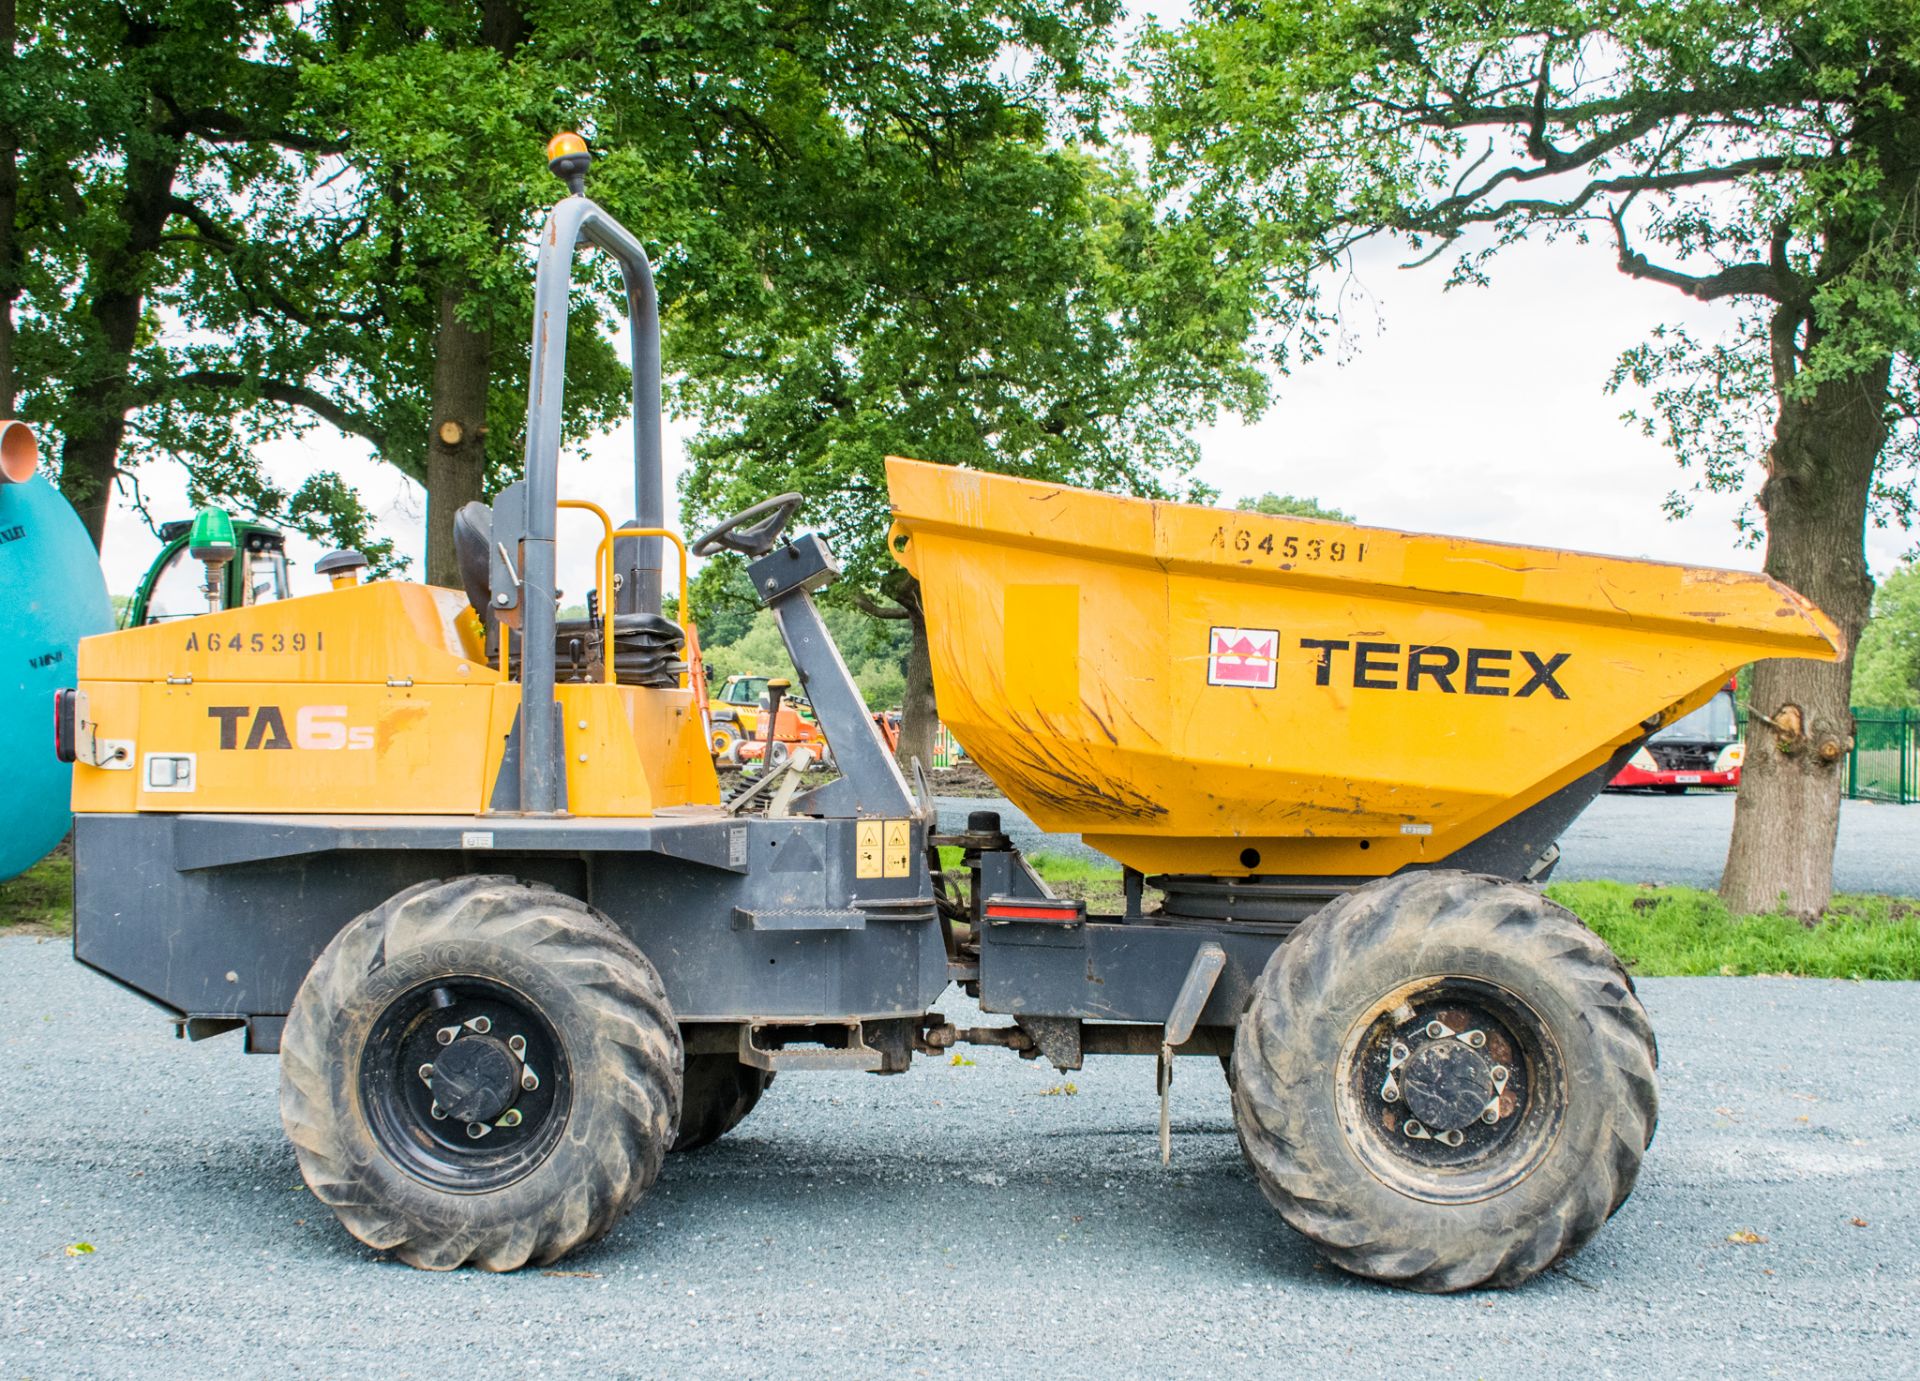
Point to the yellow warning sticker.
(899, 848)
(866, 849)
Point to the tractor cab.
(175, 585)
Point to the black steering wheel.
(751, 531)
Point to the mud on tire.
(1339, 1026)
(719, 1093)
(599, 1059)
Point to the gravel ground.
(1628, 838)
(954, 1222)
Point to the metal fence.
(1885, 762)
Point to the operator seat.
(646, 647)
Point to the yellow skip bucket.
(1197, 690)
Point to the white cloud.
(1482, 412)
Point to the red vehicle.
(1698, 749)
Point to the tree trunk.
(1799, 723)
(1820, 473)
(462, 369)
(919, 716)
(116, 282)
(457, 449)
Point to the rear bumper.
(1630, 777)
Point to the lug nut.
(482, 1025)
(476, 1130)
(426, 1073)
(1437, 1029)
(439, 1113)
(517, 1044)
(529, 1080)
(446, 1034)
(509, 1118)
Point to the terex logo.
(316, 728)
(1243, 657)
(1479, 671)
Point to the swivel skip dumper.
(467, 868)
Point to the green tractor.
(176, 584)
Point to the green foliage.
(869, 647)
(724, 603)
(1886, 672)
(444, 111)
(875, 229)
(923, 264)
(1680, 932)
(759, 651)
(1764, 153)
(168, 305)
(1287, 506)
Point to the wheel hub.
(476, 1078)
(1446, 1084)
(1450, 1089)
(466, 1083)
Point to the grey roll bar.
(572, 220)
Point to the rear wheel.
(1445, 1080)
(480, 1071)
(725, 742)
(719, 1093)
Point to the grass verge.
(40, 900)
(1681, 932)
(1667, 932)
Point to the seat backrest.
(473, 552)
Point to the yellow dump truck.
(466, 868)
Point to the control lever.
(776, 691)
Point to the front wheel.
(480, 1071)
(1445, 1081)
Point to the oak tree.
(154, 263)
(1765, 154)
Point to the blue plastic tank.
(52, 594)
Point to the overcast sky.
(1480, 412)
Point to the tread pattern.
(719, 1093)
(1391, 931)
(612, 1012)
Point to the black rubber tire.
(719, 1092)
(725, 743)
(1321, 985)
(596, 990)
